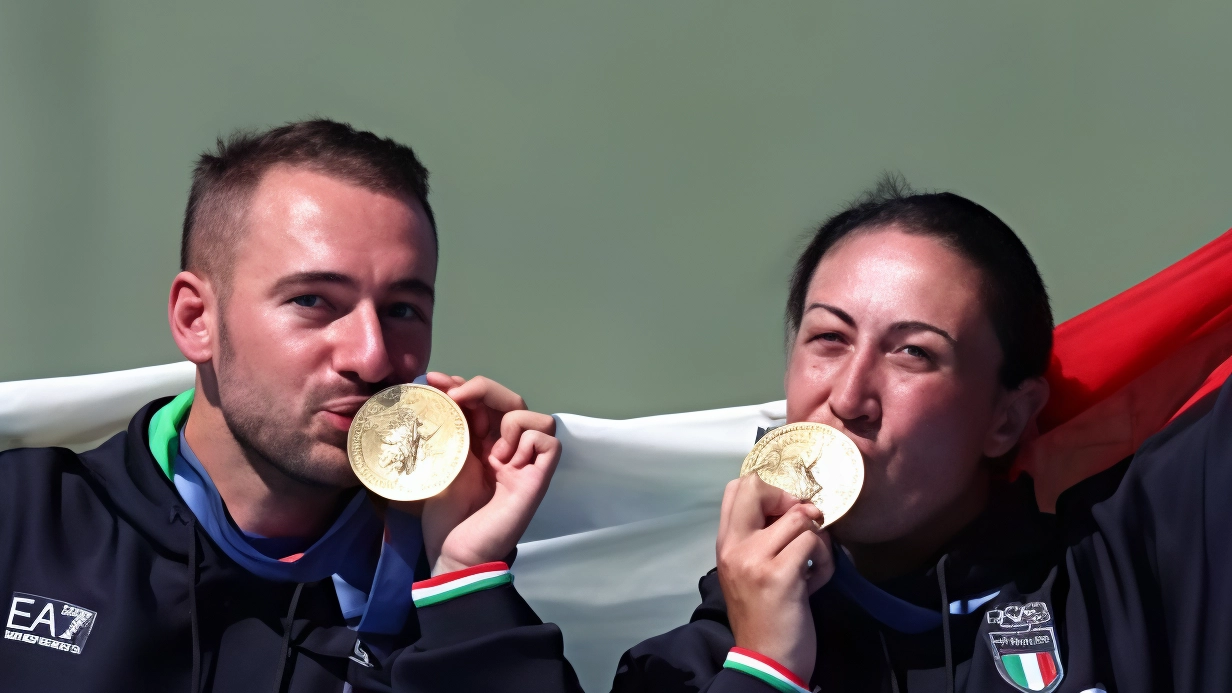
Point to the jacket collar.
(1010, 540)
(132, 482)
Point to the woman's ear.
(192, 311)
(1016, 410)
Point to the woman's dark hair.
(1013, 291)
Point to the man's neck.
(887, 560)
(260, 499)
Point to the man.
(920, 328)
(222, 542)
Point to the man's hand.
(481, 516)
(764, 571)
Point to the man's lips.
(340, 412)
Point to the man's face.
(330, 300)
(896, 349)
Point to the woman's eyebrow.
(905, 325)
(838, 312)
(918, 325)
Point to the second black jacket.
(1132, 581)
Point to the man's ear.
(1016, 411)
(192, 311)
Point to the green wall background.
(621, 187)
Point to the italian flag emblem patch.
(1028, 659)
(1033, 671)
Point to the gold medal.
(408, 442)
(812, 462)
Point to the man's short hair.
(1013, 291)
(224, 180)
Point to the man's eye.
(402, 311)
(307, 300)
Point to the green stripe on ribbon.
(777, 683)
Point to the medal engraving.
(408, 442)
(812, 462)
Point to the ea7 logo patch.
(48, 622)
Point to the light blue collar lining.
(366, 570)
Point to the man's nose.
(854, 398)
(361, 346)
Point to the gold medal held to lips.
(408, 442)
(812, 462)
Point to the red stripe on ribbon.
(450, 577)
(784, 671)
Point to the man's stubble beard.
(267, 433)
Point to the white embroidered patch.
(47, 622)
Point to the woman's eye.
(915, 351)
(307, 300)
(830, 337)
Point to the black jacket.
(1132, 580)
(109, 585)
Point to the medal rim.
(391, 494)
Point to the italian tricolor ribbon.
(765, 669)
(452, 585)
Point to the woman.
(918, 326)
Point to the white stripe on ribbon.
(425, 592)
(751, 663)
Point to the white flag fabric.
(613, 555)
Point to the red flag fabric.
(1123, 369)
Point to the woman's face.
(896, 349)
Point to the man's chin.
(325, 477)
(330, 436)
(326, 466)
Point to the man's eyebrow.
(411, 285)
(838, 312)
(917, 325)
(415, 286)
(313, 278)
